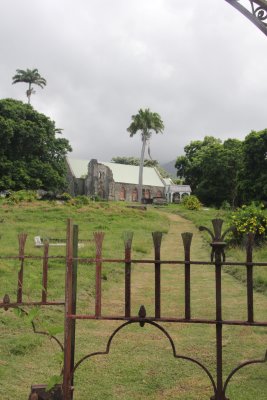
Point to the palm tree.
(145, 122)
(32, 77)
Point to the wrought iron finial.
(22, 237)
(157, 238)
(187, 240)
(217, 237)
(99, 237)
(128, 239)
(142, 315)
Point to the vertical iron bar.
(249, 250)
(187, 239)
(22, 237)
(157, 237)
(68, 309)
(45, 271)
(218, 248)
(74, 300)
(218, 270)
(98, 236)
(128, 237)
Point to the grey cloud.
(199, 64)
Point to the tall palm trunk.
(141, 167)
(28, 93)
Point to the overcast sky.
(200, 64)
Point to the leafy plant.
(249, 219)
(64, 196)
(80, 200)
(191, 202)
(21, 196)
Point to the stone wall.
(129, 192)
(98, 180)
(75, 185)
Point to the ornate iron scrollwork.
(254, 10)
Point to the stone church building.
(112, 181)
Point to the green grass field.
(204, 217)
(140, 365)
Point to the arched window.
(159, 193)
(176, 197)
(122, 193)
(134, 195)
(101, 193)
(147, 194)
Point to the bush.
(191, 202)
(249, 219)
(21, 196)
(81, 200)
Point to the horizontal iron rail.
(170, 262)
(168, 319)
(140, 261)
(32, 303)
(31, 257)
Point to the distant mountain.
(170, 168)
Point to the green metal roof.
(122, 173)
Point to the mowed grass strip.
(140, 364)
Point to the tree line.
(232, 171)
(31, 154)
(33, 157)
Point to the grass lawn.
(204, 217)
(140, 365)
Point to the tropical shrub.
(21, 196)
(191, 202)
(249, 219)
(81, 200)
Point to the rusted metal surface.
(187, 240)
(74, 299)
(218, 384)
(45, 271)
(67, 378)
(128, 238)
(99, 237)
(157, 238)
(249, 249)
(22, 237)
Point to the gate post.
(70, 309)
(218, 246)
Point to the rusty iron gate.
(66, 390)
